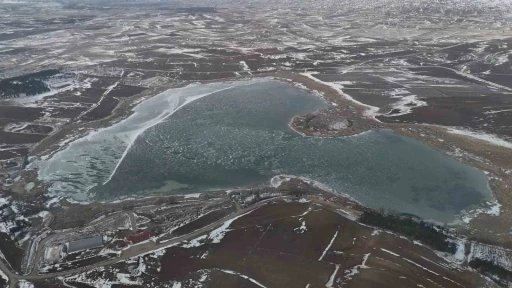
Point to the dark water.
(241, 136)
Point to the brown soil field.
(13, 153)
(103, 110)
(21, 113)
(269, 247)
(207, 76)
(460, 111)
(37, 129)
(6, 154)
(221, 279)
(20, 138)
(78, 263)
(67, 112)
(125, 91)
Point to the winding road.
(133, 251)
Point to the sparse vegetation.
(427, 233)
(489, 268)
(29, 84)
(12, 253)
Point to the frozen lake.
(180, 141)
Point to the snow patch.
(355, 269)
(214, 236)
(3, 276)
(339, 125)
(461, 249)
(389, 252)
(489, 138)
(493, 209)
(371, 111)
(276, 181)
(243, 276)
(195, 195)
(217, 234)
(333, 276)
(303, 200)
(328, 246)
(302, 228)
(244, 66)
(405, 104)
(25, 284)
(495, 254)
(304, 214)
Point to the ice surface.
(241, 136)
(71, 171)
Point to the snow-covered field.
(495, 254)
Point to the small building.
(139, 237)
(85, 244)
(53, 254)
(122, 245)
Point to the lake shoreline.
(494, 160)
(410, 130)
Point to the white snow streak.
(328, 246)
(392, 253)
(302, 228)
(331, 279)
(356, 268)
(159, 119)
(418, 265)
(489, 138)
(216, 235)
(3, 276)
(243, 276)
(371, 110)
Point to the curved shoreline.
(321, 90)
(167, 114)
(145, 115)
(389, 201)
(438, 137)
(462, 217)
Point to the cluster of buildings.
(57, 253)
(135, 238)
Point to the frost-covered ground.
(369, 51)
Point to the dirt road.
(143, 248)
